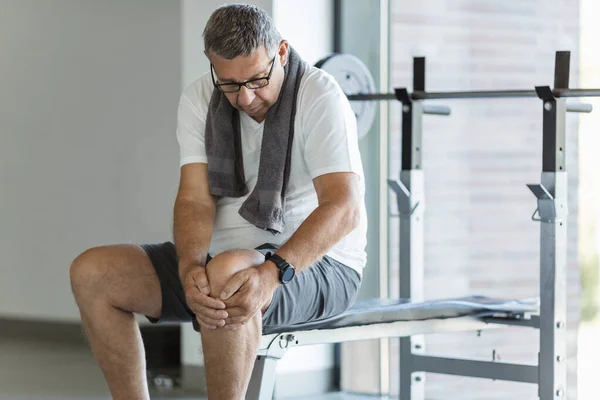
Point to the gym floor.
(53, 369)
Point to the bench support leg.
(412, 381)
(262, 381)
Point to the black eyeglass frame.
(240, 84)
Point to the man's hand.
(209, 312)
(247, 292)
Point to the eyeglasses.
(233, 87)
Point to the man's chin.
(251, 111)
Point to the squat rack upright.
(552, 208)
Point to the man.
(269, 220)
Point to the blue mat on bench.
(378, 311)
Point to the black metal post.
(419, 74)
(552, 199)
(411, 204)
(411, 121)
(561, 69)
(337, 26)
(553, 140)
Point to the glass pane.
(479, 237)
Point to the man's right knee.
(120, 275)
(88, 270)
(221, 268)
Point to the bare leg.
(109, 284)
(229, 355)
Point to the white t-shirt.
(325, 141)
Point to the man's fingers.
(236, 311)
(234, 284)
(199, 277)
(194, 296)
(205, 326)
(209, 321)
(212, 303)
(238, 300)
(210, 312)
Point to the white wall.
(88, 156)
(308, 27)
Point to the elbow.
(207, 204)
(352, 216)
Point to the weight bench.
(387, 318)
(410, 317)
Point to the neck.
(259, 118)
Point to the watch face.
(287, 274)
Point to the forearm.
(192, 230)
(323, 228)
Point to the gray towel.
(265, 206)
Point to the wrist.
(185, 267)
(270, 273)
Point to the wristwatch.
(286, 270)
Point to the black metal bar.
(421, 95)
(576, 92)
(419, 74)
(374, 96)
(477, 369)
(482, 94)
(491, 94)
(561, 69)
(337, 26)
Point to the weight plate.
(354, 77)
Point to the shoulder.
(199, 92)
(316, 84)
(320, 95)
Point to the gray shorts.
(326, 289)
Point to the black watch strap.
(278, 260)
(286, 270)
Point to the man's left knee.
(223, 266)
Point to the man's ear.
(284, 48)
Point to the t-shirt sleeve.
(331, 140)
(190, 132)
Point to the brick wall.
(479, 237)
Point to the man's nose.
(245, 96)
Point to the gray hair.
(239, 29)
